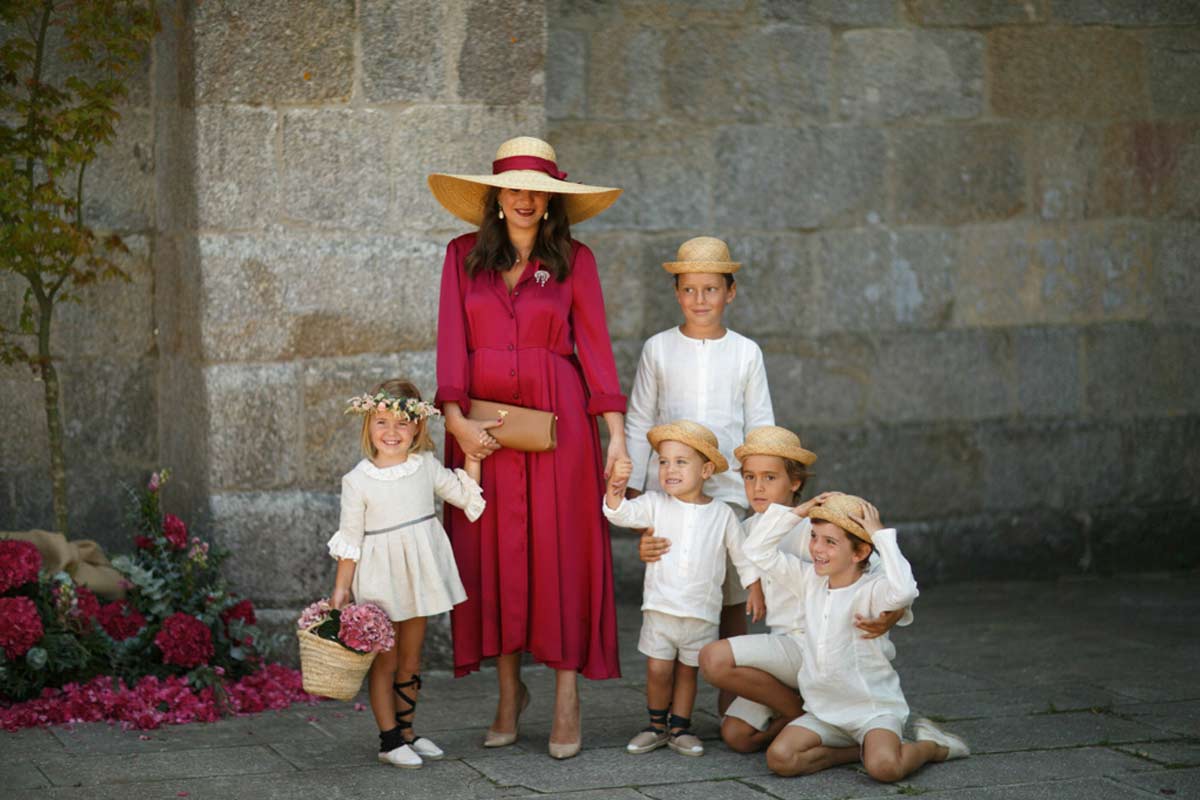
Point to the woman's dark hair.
(494, 251)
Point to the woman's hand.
(651, 548)
(473, 437)
(616, 453)
(878, 626)
(339, 598)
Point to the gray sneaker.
(647, 741)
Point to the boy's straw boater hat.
(693, 434)
(771, 440)
(521, 163)
(837, 509)
(702, 254)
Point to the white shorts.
(834, 736)
(669, 637)
(777, 655)
(732, 593)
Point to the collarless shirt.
(686, 581)
(719, 383)
(845, 680)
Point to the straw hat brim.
(841, 520)
(805, 457)
(674, 433)
(719, 267)
(462, 195)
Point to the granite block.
(900, 74)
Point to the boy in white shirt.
(852, 699)
(761, 669)
(681, 602)
(705, 372)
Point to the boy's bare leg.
(733, 623)
(719, 669)
(742, 737)
(683, 697)
(798, 751)
(888, 759)
(660, 678)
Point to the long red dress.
(537, 566)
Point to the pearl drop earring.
(501, 214)
(546, 215)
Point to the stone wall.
(969, 228)
(970, 232)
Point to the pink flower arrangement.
(20, 626)
(153, 702)
(366, 628)
(184, 641)
(175, 531)
(315, 613)
(243, 610)
(19, 563)
(120, 620)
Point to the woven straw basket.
(329, 669)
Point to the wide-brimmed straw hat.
(771, 440)
(693, 434)
(521, 163)
(702, 254)
(837, 509)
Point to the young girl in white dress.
(393, 552)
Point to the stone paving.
(1079, 689)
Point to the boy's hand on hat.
(868, 517)
(872, 628)
(651, 548)
(805, 508)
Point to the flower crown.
(408, 408)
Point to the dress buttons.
(516, 396)
(512, 373)
(510, 347)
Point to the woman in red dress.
(521, 321)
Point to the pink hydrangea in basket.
(338, 646)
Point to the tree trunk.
(58, 460)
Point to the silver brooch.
(541, 276)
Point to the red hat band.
(528, 162)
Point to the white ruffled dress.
(388, 525)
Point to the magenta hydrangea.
(20, 626)
(316, 613)
(19, 563)
(366, 628)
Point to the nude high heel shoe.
(500, 739)
(567, 749)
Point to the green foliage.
(52, 124)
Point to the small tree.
(49, 133)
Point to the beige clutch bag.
(525, 429)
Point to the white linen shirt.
(785, 611)
(845, 680)
(686, 581)
(719, 383)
